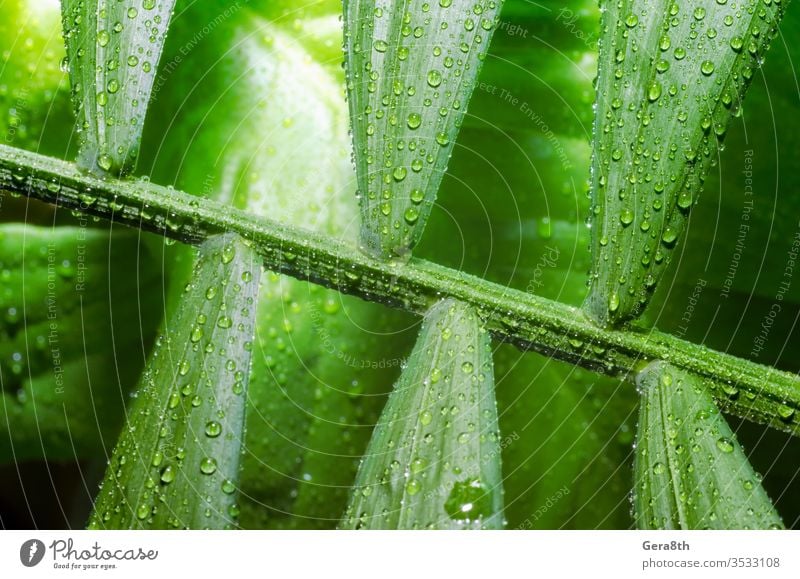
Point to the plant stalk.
(752, 391)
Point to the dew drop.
(413, 486)
(626, 217)
(105, 162)
(669, 236)
(411, 215)
(208, 466)
(167, 475)
(654, 91)
(142, 512)
(725, 445)
(468, 500)
(228, 253)
(213, 429)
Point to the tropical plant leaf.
(567, 437)
(321, 367)
(712, 297)
(176, 464)
(322, 362)
(256, 143)
(113, 51)
(691, 473)
(517, 178)
(670, 77)
(63, 386)
(410, 75)
(434, 458)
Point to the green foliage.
(113, 52)
(691, 473)
(251, 114)
(670, 77)
(434, 459)
(745, 217)
(517, 178)
(176, 464)
(321, 361)
(410, 73)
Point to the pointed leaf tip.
(113, 51)
(691, 473)
(410, 75)
(434, 458)
(671, 75)
(176, 464)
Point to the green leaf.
(434, 458)
(517, 177)
(691, 473)
(71, 337)
(113, 50)
(177, 461)
(728, 312)
(253, 143)
(410, 75)
(322, 362)
(567, 437)
(670, 77)
(305, 390)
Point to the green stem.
(750, 390)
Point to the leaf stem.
(753, 391)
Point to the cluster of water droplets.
(691, 472)
(176, 464)
(410, 75)
(434, 459)
(671, 76)
(113, 49)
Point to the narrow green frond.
(410, 76)
(176, 464)
(113, 50)
(691, 473)
(434, 458)
(670, 78)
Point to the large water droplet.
(468, 500)
(208, 466)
